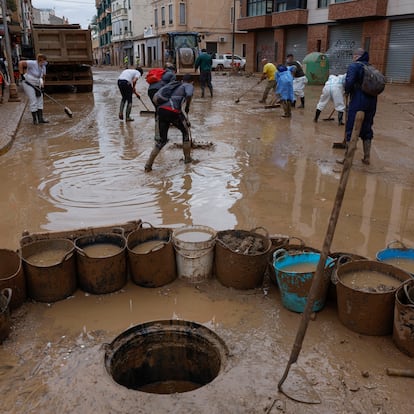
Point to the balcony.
(119, 14)
(255, 22)
(356, 9)
(290, 18)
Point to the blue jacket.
(354, 75)
(284, 79)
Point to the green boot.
(148, 165)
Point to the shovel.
(147, 110)
(330, 117)
(299, 388)
(248, 90)
(342, 145)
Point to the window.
(259, 7)
(182, 13)
(156, 17)
(291, 5)
(162, 16)
(323, 4)
(170, 14)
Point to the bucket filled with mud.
(241, 258)
(166, 357)
(101, 262)
(50, 269)
(151, 256)
(403, 329)
(292, 245)
(397, 254)
(194, 247)
(5, 298)
(294, 275)
(366, 295)
(12, 276)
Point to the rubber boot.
(148, 165)
(285, 108)
(40, 117)
(367, 151)
(128, 113)
(293, 104)
(187, 152)
(121, 110)
(302, 103)
(202, 92)
(289, 108)
(211, 92)
(340, 118)
(317, 113)
(34, 116)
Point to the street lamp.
(13, 96)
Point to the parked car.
(222, 61)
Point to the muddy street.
(256, 170)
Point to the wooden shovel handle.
(397, 372)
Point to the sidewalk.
(10, 116)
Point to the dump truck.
(68, 49)
(182, 50)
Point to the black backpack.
(373, 81)
(164, 94)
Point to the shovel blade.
(338, 145)
(298, 388)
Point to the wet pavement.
(261, 171)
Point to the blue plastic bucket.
(294, 284)
(402, 256)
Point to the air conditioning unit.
(222, 39)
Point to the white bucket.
(194, 246)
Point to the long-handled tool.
(342, 145)
(68, 112)
(330, 117)
(292, 388)
(248, 90)
(147, 111)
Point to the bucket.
(101, 262)
(194, 247)
(403, 329)
(241, 258)
(50, 269)
(292, 245)
(5, 298)
(151, 257)
(340, 259)
(294, 274)
(401, 256)
(12, 276)
(368, 307)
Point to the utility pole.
(13, 96)
(233, 35)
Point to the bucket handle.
(397, 242)
(141, 226)
(81, 251)
(301, 242)
(119, 230)
(65, 257)
(407, 291)
(7, 293)
(254, 230)
(279, 253)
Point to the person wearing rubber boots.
(284, 89)
(299, 80)
(360, 101)
(204, 62)
(126, 83)
(33, 74)
(269, 70)
(170, 113)
(333, 90)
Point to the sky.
(77, 11)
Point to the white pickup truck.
(222, 61)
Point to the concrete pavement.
(10, 115)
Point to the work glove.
(41, 83)
(187, 109)
(22, 77)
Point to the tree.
(11, 5)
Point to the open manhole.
(166, 357)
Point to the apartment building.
(385, 28)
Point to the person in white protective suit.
(332, 91)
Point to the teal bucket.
(401, 256)
(294, 275)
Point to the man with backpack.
(169, 100)
(360, 101)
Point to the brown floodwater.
(261, 171)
